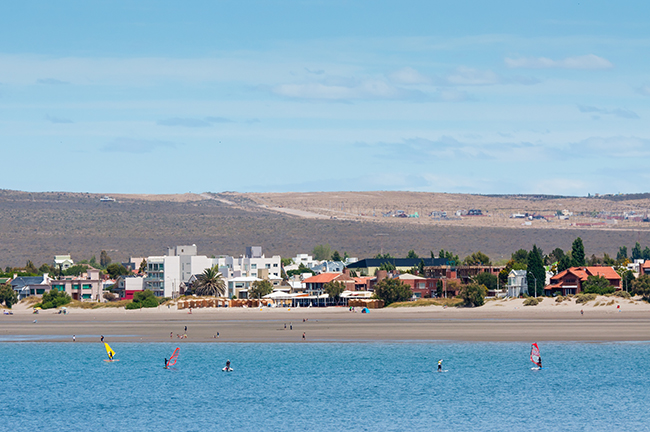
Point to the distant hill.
(38, 226)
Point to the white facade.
(164, 275)
(63, 261)
(239, 286)
(248, 266)
(517, 283)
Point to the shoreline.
(496, 321)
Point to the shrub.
(597, 285)
(623, 294)
(133, 305)
(584, 298)
(473, 294)
(559, 299)
(531, 301)
(53, 299)
(145, 299)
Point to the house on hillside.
(63, 262)
(517, 283)
(570, 280)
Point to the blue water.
(324, 387)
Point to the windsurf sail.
(535, 356)
(109, 351)
(173, 358)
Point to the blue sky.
(455, 96)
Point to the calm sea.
(325, 387)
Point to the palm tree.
(210, 283)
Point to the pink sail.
(535, 356)
(172, 359)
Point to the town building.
(87, 286)
(368, 266)
(26, 286)
(63, 262)
(570, 280)
(127, 286)
(517, 283)
(249, 264)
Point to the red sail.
(534, 355)
(173, 358)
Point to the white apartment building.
(250, 264)
(517, 283)
(163, 275)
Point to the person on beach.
(102, 338)
(74, 338)
(290, 326)
(303, 335)
(440, 365)
(185, 329)
(171, 335)
(582, 312)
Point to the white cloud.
(618, 112)
(408, 76)
(61, 120)
(612, 147)
(329, 90)
(589, 61)
(468, 76)
(130, 145)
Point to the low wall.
(219, 302)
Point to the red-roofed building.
(315, 284)
(570, 280)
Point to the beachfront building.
(517, 283)
(368, 266)
(26, 286)
(238, 287)
(420, 286)
(249, 265)
(87, 286)
(63, 262)
(163, 275)
(570, 280)
(329, 267)
(126, 286)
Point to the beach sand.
(500, 320)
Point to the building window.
(268, 266)
(253, 266)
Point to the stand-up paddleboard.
(535, 357)
(111, 361)
(110, 353)
(227, 369)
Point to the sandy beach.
(501, 320)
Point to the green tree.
(412, 254)
(322, 252)
(388, 266)
(555, 256)
(392, 290)
(93, 261)
(636, 252)
(622, 253)
(449, 256)
(53, 299)
(577, 253)
(421, 267)
(210, 283)
(536, 270)
(521, 256)
(301, 269)
(473, 294)
(74, 270)
(104, 259)
(143, 267)
(641, 287)
(8, 296)
(564, 263)
(31, 268)
(477, 258)
(336, 256)
(627, 277)
(114, 270)
(646, 253)
(143, 299)
(439, 288)
(384, 256)
(486, 279)
(608, 261)
(597, 285)
(46, 268)
(260, 288)
(334, 289)
(286, 261)
(353, 273)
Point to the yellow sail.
(109, 351)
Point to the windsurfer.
(440, 365)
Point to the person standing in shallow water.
(102, 338)
(440, 365)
